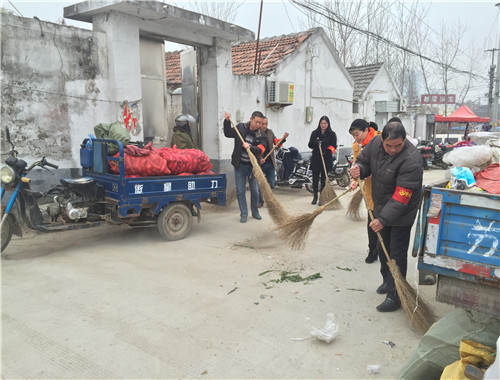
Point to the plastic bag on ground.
(329, 331)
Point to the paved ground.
(121, 303)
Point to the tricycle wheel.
(175, 221)
(7, 230)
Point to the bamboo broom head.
(328, 194)
(295, 230)
(354, 206)
(417, 310)
(274, 207)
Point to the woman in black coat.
(325, 136)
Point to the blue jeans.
(270, 173)
(240, 178)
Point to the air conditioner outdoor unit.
(280, 92)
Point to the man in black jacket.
(396, 169)
(243, 169)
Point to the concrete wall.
(54, 88)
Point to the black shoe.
(315, 200)
(371, 258)
(382, 289)
(389, 305)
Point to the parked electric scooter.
(289, 160)
(433, 154)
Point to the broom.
(327, 193)
(274, 207)
(295, 230)
(274, 147)
(417, 310)
(354, 205)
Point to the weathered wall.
(54, 88)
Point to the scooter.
(292, 162)
(433, 155)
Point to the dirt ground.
(121, 303)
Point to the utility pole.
(496, 95)
(491, 75)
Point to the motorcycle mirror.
(7, 136)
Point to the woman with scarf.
(362, 132)
(182, 138)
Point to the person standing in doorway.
(181, 137)
(323, 136)
(396, 169)
(243, 169)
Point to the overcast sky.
(281, 17)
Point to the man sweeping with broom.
(396, 169)
(243, 169)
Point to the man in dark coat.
(243, 169)
(396, 169)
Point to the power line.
(59, 94)
(335, 18)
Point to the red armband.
(275, 141)
(332, 149)
(262, 148)
(402, 195)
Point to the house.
(296, 79)
(376, 97)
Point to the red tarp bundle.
(148, 161)
(463, 114)
(489, 179)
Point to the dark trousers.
(316, 176)
(372, 239)
(396, 240)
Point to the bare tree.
(225, 10)
(446, 52)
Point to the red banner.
(438, 99)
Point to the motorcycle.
(75, 200)
(433, 155)
(292, 169)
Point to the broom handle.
(322, 208)
(274, 147)
(370, 212)
(322, 159)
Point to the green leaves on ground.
(292, 276)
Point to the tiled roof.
(362, 77)
(173, 68)
(272, 51)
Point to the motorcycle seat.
(78, 181)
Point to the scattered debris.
(356, 290)
(329, 331)
(389, 343)
(373, 368)
(292, 276)
(232, 290)
(347, 269)
(204, 372)
(243, 245)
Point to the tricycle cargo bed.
(132, 194)
(460, 242)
